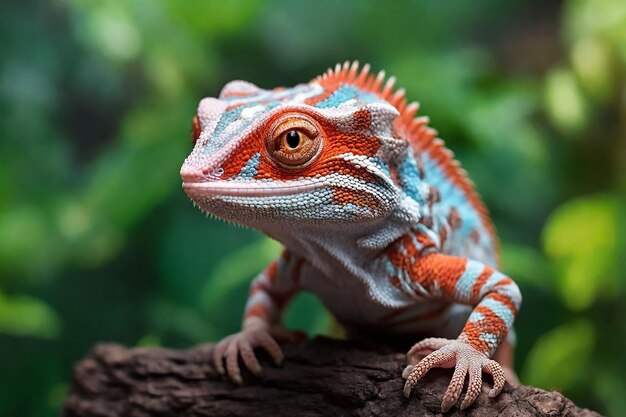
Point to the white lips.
(247, 189)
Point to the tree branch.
(321, 377)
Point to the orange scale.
(238, 94)
(504, 300)
(396, 258)
(394, 281)
(233, 165)
(362, 119)
(446, 270)
(254, 290)
(425, 240)
(480, 281)
(491, 322)
(472, 331)
(257, 310)
(271, 272)
(355, 144)
(312, 101)
(410, 248)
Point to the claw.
(218, 356)
(268, 343)
(249, 358)
(407, 389)
(407, 371)
(232, 364)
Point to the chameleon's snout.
(190, 174)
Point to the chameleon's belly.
(349, 299)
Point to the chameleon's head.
(308, 155)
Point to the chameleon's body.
(377, 219)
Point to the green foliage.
(98, 241)
(582, 236)
(229, 282)
(555, 362)
(565, 102)
(27, 316)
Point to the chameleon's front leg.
(496, 299)
(269, 292)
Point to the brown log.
(321, 377)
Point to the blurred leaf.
(610, 387)
(559, 359)
(239, 267)
(306, 312)
(565, 102)
(582, 236)
(591, 60)
(113, 31)
(526, 265)
(27, 316)
(585, 18)
(180, 323)
(230, 279)
(213, 16)
(459, 70)
(149, 340)
(22, 230)
(28, 245)
(58, 395)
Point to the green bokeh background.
(99, 243)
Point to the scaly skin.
(376, 217)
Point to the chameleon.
(377, 219)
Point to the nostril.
(212, 173)
(191, 174)
(217, 172)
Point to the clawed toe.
(227, 353)
(407, 371)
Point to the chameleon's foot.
(465, 359)
(229, 349)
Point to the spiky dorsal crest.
(422, 137)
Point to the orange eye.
(196, 129)
(294, 141)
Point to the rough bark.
(321, 377)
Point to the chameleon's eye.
(294, 142)
(196, 129)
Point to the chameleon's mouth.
(248, 189)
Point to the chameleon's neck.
(355, 247)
